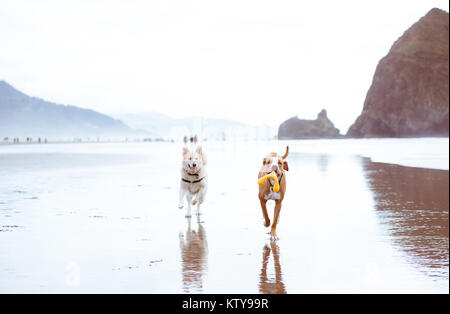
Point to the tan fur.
(287, 153)
(265, 188)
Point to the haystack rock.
(409, 95)
(295, 128)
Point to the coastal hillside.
(25, 116)
(409, 95)
(295, 128)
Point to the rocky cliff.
(409, 95)
(295, 128)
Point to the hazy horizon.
(250, 61)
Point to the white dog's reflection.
(194, 249)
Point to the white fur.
(272, 195)
(194, 192)
(274, 164)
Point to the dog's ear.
(199, 150)
(185, 151)
(285, 166)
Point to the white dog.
(194, 181)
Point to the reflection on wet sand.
(194, 257)
(414, 204)
(322, 161)
(271, 285)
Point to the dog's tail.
(287, 153)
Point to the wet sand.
(104, 218)
(413, 204)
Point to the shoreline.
(426, 153)
(2, 142)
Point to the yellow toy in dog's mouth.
(272, 175)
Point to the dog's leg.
(189, 201)
(195, 201)
(182, 192)
(264, 210)
(200, 198)
(273, 231)
(198, 208)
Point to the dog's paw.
(194, 202)
(267, 223)
(180, 206)
(273, 235)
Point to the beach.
(358, 216)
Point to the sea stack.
(409, 95)
(295, 128)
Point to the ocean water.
(365, 215)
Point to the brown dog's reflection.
(271, 285)
(194, 249)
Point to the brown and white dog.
(277, 163)
(194, 180)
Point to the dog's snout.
(194, 165)
(274, 167)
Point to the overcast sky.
(255, 61)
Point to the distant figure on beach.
(191, 140)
